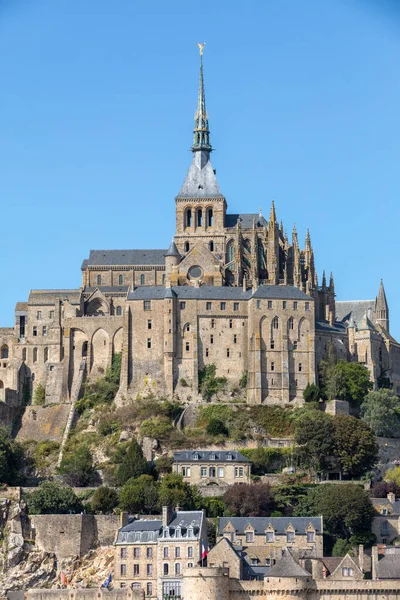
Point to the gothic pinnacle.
(295, 240)
(272, 214)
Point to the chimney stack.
(167, 514)
(391, 497)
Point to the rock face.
(28, 561)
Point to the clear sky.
(97, 99)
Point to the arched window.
(4, 351)
(210, 217)
(163, 279)
(211, 246)
(291, 323)
(24, 354)
(187, 246)
(46, 354)
(199, 217)
(142, 279)
(275, 323)
(98, 279)
(119, 311)
(35, 355)
(120, 280)
(230, 251)
(188, 219)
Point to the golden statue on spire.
(201, 48)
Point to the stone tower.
(382, 309)
(200, 205)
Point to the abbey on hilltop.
(231, 290)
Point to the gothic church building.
(231, 290)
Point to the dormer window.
(196, 456)
(229, 457)
(178, 531)
(213, 457)
(384, 510)
(166, 532)
(190, 531)
(249, 536)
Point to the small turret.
(172, 259)
(382, 309)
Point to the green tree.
(104, 500)
(12, 459)
(393, 476)
(77, 467)
(133, 464)
(381, 411)
(346, 509)
(311, 393)
(341, 547)
(354, 445)
(314, 434)
(53, 498)
(346, 381)
(176, 492)
(216, 427)
(249, 500)
(39, 397)
(139, 495)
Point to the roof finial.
(260, 213)
(201, 133)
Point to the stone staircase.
(75, 392)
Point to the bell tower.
(200, 205)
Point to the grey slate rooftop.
(49, 297)
(385, 502)
(388, 567)
(337, 327)
(280, 524)
(245, 220)
(210, 292)
(355, 308)
(125, 257)
(288, 567)
(206, 456)
(108, 289)
(200, 181)
(150, 530)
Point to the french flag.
(204, 552)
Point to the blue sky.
(97, 100)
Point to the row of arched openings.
(120, 280)
(196, 217)
(35, 354)
(186, 248)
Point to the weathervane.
(201, 47)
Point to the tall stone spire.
(201, 133)
(201, 181)
(272, 214)
(382, 308)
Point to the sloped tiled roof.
(210, 292)
(355, 308)
(287, 567)
(205, 456)
(200, 181)
(246, 220)
(280, 524)
(99, 258)
(48, 297)
(388, 567)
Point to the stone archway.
(100, 352)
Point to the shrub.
(39, 397)
(139, 495)
(209, 384)
(53, 498)
(133, 464)
(311, 393)
(249, 500)
(268, 460)
(243, 380)
(104, 500)
(77, 467)
(216, 427)
(103, 390)
(12, 458)
(158, 428)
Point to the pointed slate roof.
(172, 250)
(200, 181)
(288, 567)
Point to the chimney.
(374, 560)
(177, 508)
(361, 557)
(166, 515)
(391, 497)
(123, 519)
